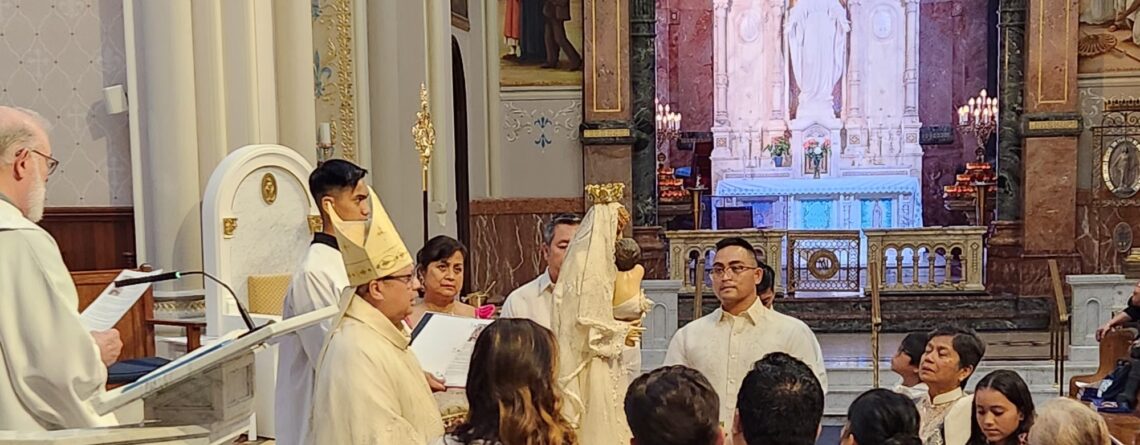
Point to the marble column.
(720, 58)
(642, 35)
(1011, 73)
(910, 74)
(170, 139)
(855, 66)
(607, 137)
(776, 71)
(441, 188)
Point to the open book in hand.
(114, 302)
(444, 343)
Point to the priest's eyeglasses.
(405, 278)
(52, 163)
(736, 269)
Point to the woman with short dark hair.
(439, 266)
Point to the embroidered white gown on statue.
(591, 341)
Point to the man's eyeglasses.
(52, 163)
(736, 269)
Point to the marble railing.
(686, 246)
(929, 259)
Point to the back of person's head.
(768, 281)
(969, 347)
(673, 405)
(1013, 388)
(779, 403)
(333, 176)
(883, 417)
(1064, 421)
(913, 345)
(511, 389)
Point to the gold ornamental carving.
(229, 225)
(337, 15)
(315, 223)
(269, 189)
(823, 264)
(423, 134)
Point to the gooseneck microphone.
(167, 276)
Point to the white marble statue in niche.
(817, 41)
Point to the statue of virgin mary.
(590, 340)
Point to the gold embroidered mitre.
(371, 250)
(605, 193)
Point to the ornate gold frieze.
(315, 223)
(334, 21)
(269, 189)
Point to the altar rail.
(933, 259)
(685, 246)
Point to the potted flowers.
(779, 147)
(816, 151)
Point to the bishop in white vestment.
(370, 388)
(317, 284)
(50, 365)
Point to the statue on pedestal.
(817, 41)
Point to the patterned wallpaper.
(55, 58)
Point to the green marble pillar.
(1011, 79)
(643, 80)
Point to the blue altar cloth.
(825, 202)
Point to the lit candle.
(983, 92)
(324, 136)
(962, 119)
(971, 102)
(666, 108)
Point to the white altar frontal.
(814, 72)
(851, 203)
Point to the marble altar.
(858, 202)
(818, 70)
(1096, 298)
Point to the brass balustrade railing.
(934, 259)
(686, 246)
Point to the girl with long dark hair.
(1003, 410)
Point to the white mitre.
(371, 250)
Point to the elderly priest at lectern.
(370, 387)
(50, 366)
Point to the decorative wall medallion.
(882, 22)
(1120, 167)
(545, 125)
(229, 225)
(1122, 237)
(750, 26)
(269, 189)
(912, 138)
(721, 142)
(823, 264)
(854, 140)
(315, 223)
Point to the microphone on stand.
(167, 276)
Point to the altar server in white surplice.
(726, 343)
(50, 366)
(370, 388)
(317, 284)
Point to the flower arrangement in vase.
(816, 151)
(779, 147)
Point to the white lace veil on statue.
(583, 321)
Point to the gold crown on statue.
(605, 193)
(373, 249)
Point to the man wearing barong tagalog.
(591, 341)
(51, 367)
(370, 388)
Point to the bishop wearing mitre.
(370, 388)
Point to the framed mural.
(541, 44)
(1109, 36)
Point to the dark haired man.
(780, 403)
(337, 186)
(673, 405)
(951, 357)
(534, 300)
(724, 344)
(767, 287)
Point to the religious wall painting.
(1109, 32)
(1120, 167)
(540, 43)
